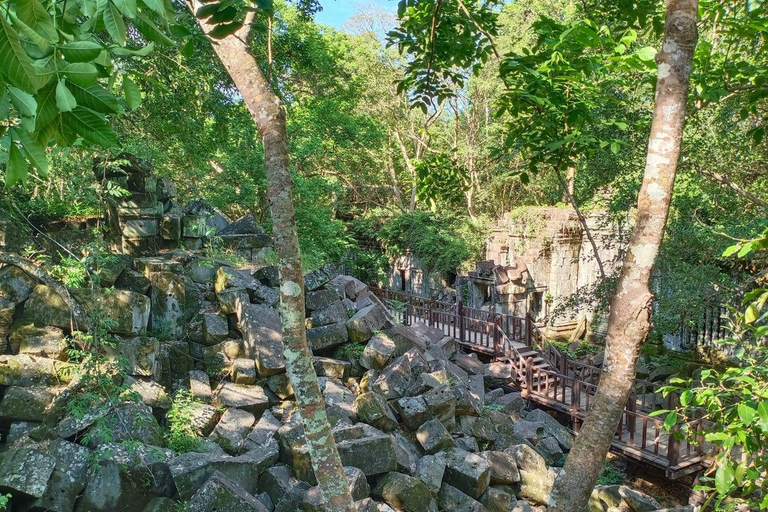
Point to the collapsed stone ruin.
(419, 425)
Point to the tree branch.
(724, 180)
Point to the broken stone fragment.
(373, 409)
(433, 437)
(327, 336)
(262, 338)
(232, 429)
(244, 371)
(452, 499)
(468, 472)
(25, 470)
(378, 352)
(405, 493)
(249, 398)
(363, 324)
(220, 493)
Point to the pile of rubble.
(420, 426)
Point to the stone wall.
(549, 269)
(408, 275)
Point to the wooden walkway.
(551, 379)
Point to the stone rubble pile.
(420, 426)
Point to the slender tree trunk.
(269, 116)
(629, 320)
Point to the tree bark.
(629, 320)
(268, 114)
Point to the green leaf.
(81, 73)
(615, 148)
(5, 105)
(47, 109)
(225, 29)
(670, 420)
(141, 52)
(95, 98)
(132, 93)
(750, 315)
(16, 168)
(65, 101)
(127, 7)
(746, 414)
(24, 102)
(685, 397)
(35, 151)
(35, 15)
(731, 250)
(81, 51)
(155, 5)
(114, 23)
(91, 127)
(15, 64)
(647, 53)
(724, 477)
(150, 31)
(31, 34)
(762, 412)
(207, 10)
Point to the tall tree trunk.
(269, 116)
(629, 320)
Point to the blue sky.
(337, 12)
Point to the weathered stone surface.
(373, 455)
(327, 336)
(244, 371)
(319, 277)
(350, 287)
(333, 368)
(230, 298)
(203, 419)
(535, 480)
(433, 437)
(245, 225)
(215, 328)
(378, 352)
(277, 481)
(67, 480)
(139, 355)
(25, 470)
(333, 313)
(430, 470)
(499, 374)
(549, 448)
(152, 394)
(503, 467)
(407, 453)
(442, 404)
(232, 429)
(45, 307)
(168, 295)
(451, 499)
(262, 338)
(128, 312)
(26, 338)
(638, 501)
(221, 355)
(191, 470)
(395, 380)
(470, 363)
(466, 471)
(280, 385)
(373, 409)
(161, 504)
(495, 500)
(249, 398)
(513, 404)
(263, 432)
(552, 428)
(413, 411)
(369, 319)
(127, 422)
(133, 281)
(200, 385)
(15, 284)
(219, 493)
(319, 299)
(406, 339)
(405, 493)
(25, 403)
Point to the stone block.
(168, 295)
(155, 264)
(395, 380)
(319, 299)
(405, 493)
(26, 338)
(499, 374)
(363, 324)
(133, 281)
(220, 493)
(468, 472)
(200, 386)
(139, 355)
(170, 226)
(24, 471)
(413, 411)
(244, 371)
(319, 277)
(232, 429)
(442, 404)
(215, 328)
(372, 455)
(470, 363)
(378, 352)
(496, 500)
(373, 409)
(25, 403)
(140, 228)
(45, 308)
(280, 385)
(552, 428)
(263, 432)
(433, 437)
(128, 422)
(451, 499)
(430, 470)
(203, 419)
(68, 478)
(332, 368)
(503, 467)
(15, 285)
(333, 313)
(262, 338)
(249, 398)
(327, 337)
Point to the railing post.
(673, 448)
(528, 333)
(631, 417)
(408, 312)
(460, 314)
(496, 331)
(432, 312)
(575, 402)
(528, 377)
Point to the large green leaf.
(35, 151)
(16, 169)
(114, 23)
(150, 31)
(127, 7)
(155, 5)
(81, 73)
(15, 64)
(5, 105)
(65, 101)
(141, 52)
(81, 51)
(132, 93)
(91, 127)
(24, 102)
(30, 33)
(95, 98)
(46, 107)
(34, 14)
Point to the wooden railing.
(566, 385)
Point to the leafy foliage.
(181, 435)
